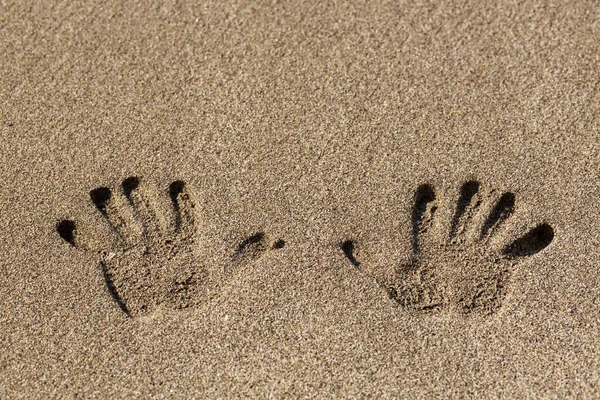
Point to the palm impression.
(464, 263)
(152, 260)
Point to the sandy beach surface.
(299, 199)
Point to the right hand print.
(463, 263)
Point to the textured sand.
(291, 223)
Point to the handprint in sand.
(462, 259)
(152, 257)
